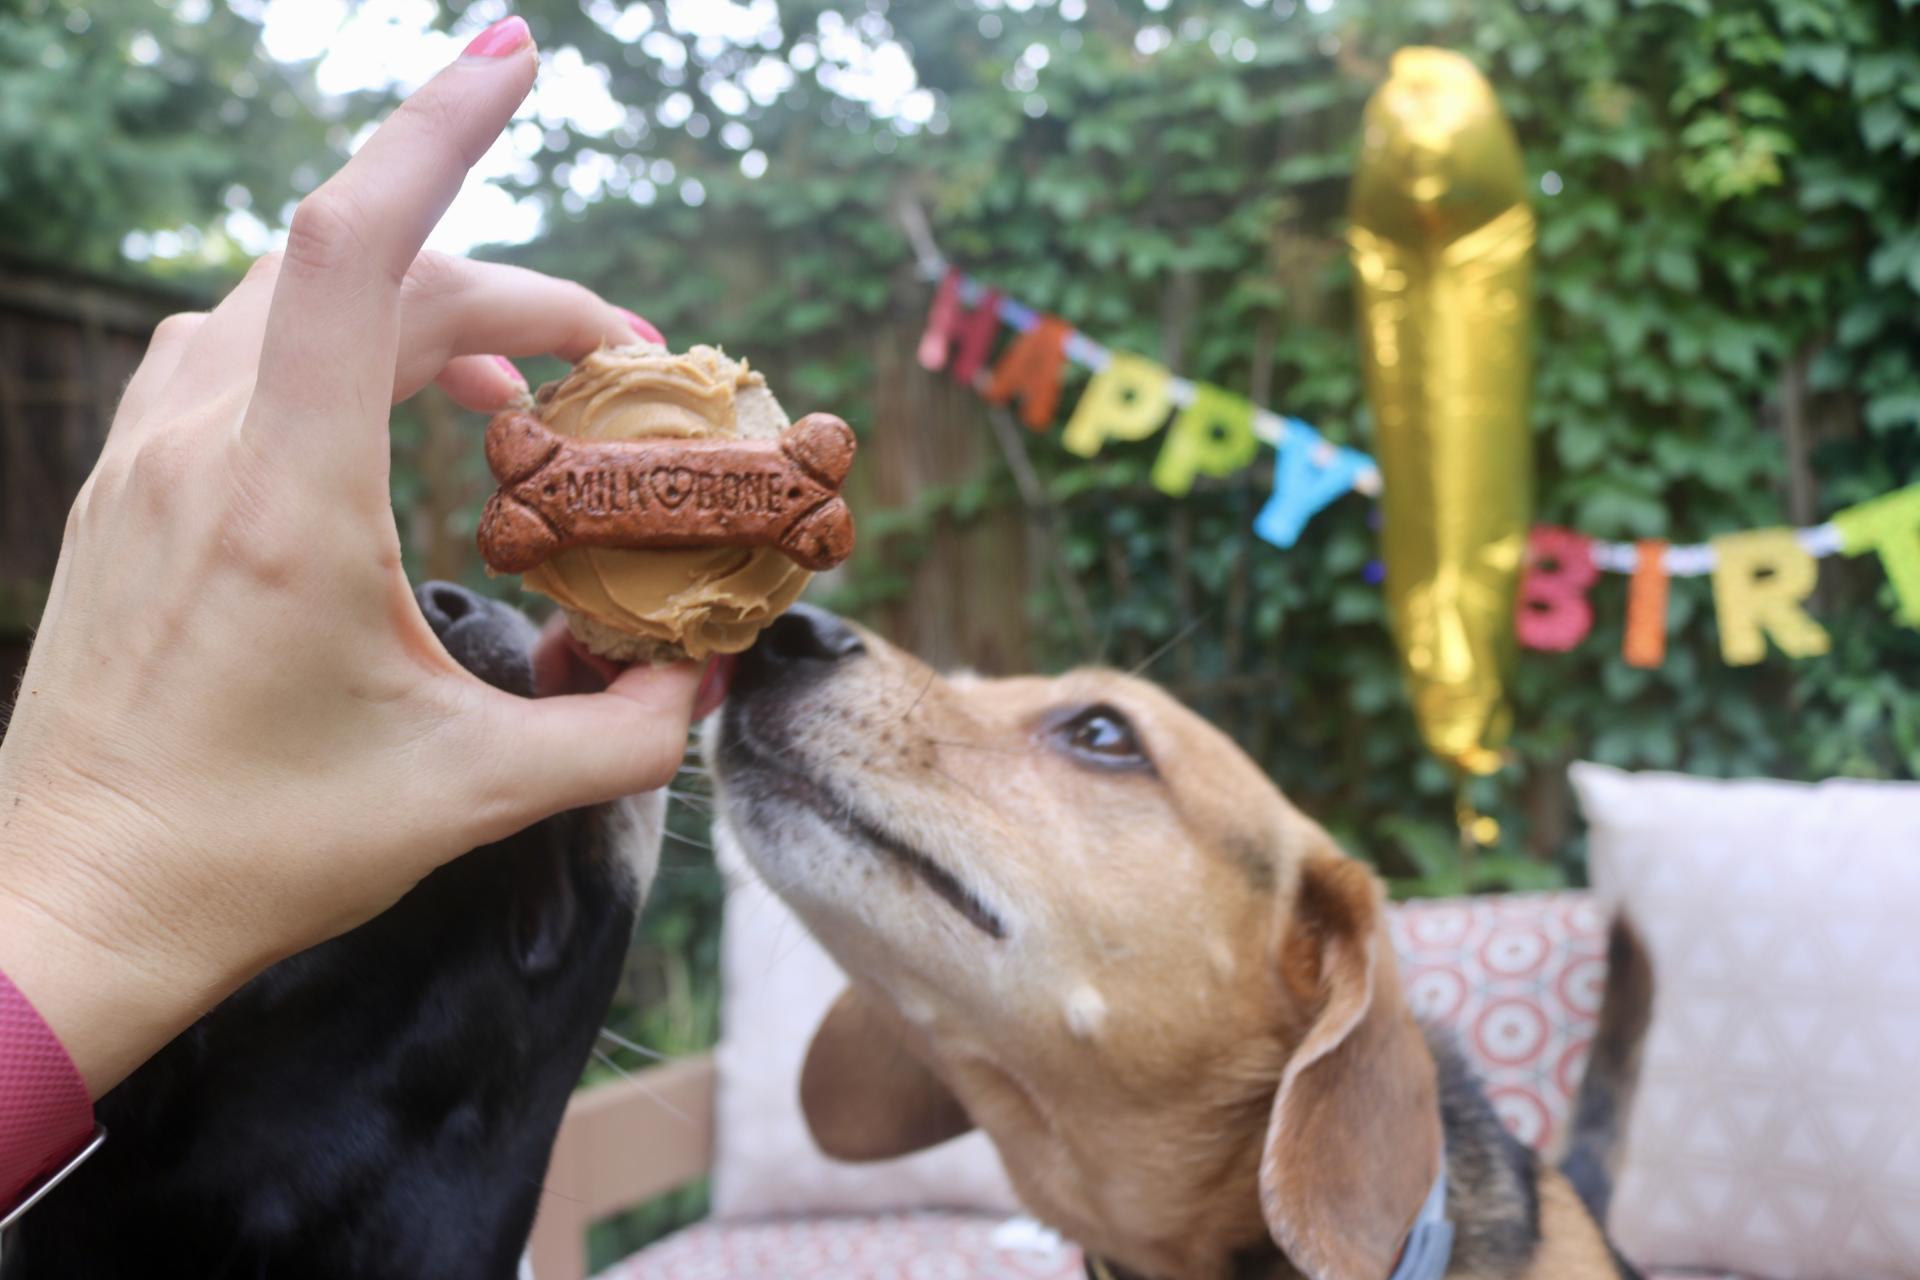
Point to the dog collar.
(1429, 1246)
(1425, 1256)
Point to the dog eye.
(1103, 734)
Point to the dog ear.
(1353, 1143)
(865, 1095)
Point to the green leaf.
(1676, 267)
(1826, 63)
(1898, 409)
(1883, 124)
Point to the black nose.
(803, 641)
(490, 639)
(446, 603)
(806, 633)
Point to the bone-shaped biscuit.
(661, 493)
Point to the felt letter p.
(1213, 435)
(1127, 400)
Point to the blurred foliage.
(144, 115)
(1727, 223)
(1729, 236)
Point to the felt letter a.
(1030, 370)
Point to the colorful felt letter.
(1127, 400)
(1759, 580)
(1213, 435)
(1307, 475)
(1646, 641)
(941, 319)
(1553, 613)
(1890, 526)
(1030, 370)
(974, 342)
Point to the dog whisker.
(608, 1033)
(688, 869)
(918, 697)
(1179, 637)
(652, 1096)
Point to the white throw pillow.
(776, 984)
(1777, 1128)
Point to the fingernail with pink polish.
(507, 367)
(509, 35)
(642, 326)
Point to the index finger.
(334, 324)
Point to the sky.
(375, 44)
(354, 45)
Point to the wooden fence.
(68, 344)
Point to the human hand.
(236, 735)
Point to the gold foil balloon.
(1441, 237)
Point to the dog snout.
(804, 640)
(490, 639)
(807, 633)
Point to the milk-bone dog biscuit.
(665, 502)
(657, 494)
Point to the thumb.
(588, 748)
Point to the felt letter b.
(1553, 613)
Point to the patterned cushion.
(900, 1246)
(891, 1246)
(1519, 979)
(1777, 1124)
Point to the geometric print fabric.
(1777, 1127)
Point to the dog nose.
(806, 633)
(490, 639)
(445, 603)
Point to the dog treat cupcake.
(664, 501)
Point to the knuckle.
(158, 467)
(266, 266)
(434, 277)
(323, 235)
(176, 328)
(590, 306)
(82, 503)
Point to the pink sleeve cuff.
(45, 1114)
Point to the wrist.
(112, 985)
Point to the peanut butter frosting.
(702, 602)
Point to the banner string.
(1680, 561)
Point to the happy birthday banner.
(1761, 577)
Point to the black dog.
(384, 1104)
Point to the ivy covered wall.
(1729, 266)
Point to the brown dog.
(1079, 918)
